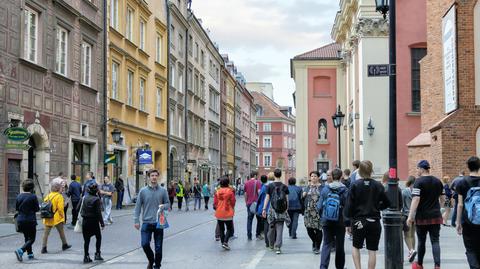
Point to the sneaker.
(316, 251)
(87, 259)
(260, 237)
(44, 250)
(225, 246)
(415, 265)
(98, 257)
(217, 238)
(31, 257)
(278, 251)
(66, 246)
(19, 254)
(412, 255)
(271, 248)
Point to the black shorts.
(366, 230)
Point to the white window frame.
(129, 24)
(265, 139)
(130, 78)
(159, 102)
(114, 14)
(158, 48)
(30, 35)
(285, 128)
(142, 34)
(115, 68)
(257, 159)
(265, 155)
(61, 55)
(180, 79)
(142, 94)
(267, 127)
(172, 75)
(86, 64)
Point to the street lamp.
(337, 123)
(392, 217)
(370, 127)
(289, 156)
(116, 135)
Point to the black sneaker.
(98, 257)
(66, 246)
(225, 246)
(87, 259)
(44, 250)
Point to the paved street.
(189, 244)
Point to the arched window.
(259, 110)
(476, 43)
(322, 129)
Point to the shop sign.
(16, 134)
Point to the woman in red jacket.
(224, 204)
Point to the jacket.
(342, 191)
(261, 199)
(27, 206)
(75, 191)
(224, 204)
(294, 197)
(148, 200)
(92, 208)
(57, 207)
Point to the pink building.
(275, 137)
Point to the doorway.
(13, 183)
(323, 166)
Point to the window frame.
(269, 155)
(115, 76)
(158, 104)
(129, 24)
(130, 79)
(142, 26)
(265, 138)
(141, 95)
(59, 53)
(415, 58)
(27, 35)
(114, 14)
(158, 48)
(265, 125)
(86, 77)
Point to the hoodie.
(342, 190)
(224, 204)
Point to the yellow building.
(230, 117)
(137, 87)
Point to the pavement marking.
(256, 260)
(117, 259)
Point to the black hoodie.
(365, 200)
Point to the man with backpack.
(277, 195)
(331, 204)
(468, 212)
(428, 194)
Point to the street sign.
(17, 146)
(144, 156)
(110, 158)
(16, 134)
(378, 70)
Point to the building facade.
(450, 93)
(261, 87)
(137, 83)
(230, 84)
(51, 84)
(319, 82)
(275, 136)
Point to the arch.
(322, 129)
(41, 143)
(322, 86)
(476, 44)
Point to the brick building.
(450, 119)
(275, 137)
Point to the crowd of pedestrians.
(335, 205)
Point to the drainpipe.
(169, 172)
(186, 95)
(105, 167)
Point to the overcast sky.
(261, 36)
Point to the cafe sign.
(16, 134)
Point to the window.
(189, 78)
(158, 48)
(256, 142)
(61, 56)
(267, 141)
(195, 84)
(293, 129)
(257, 161)
(267, 159)
(417, 55)
(267, 127)
(172, 33)
(190, 45)
(142, 94)
(172, 75)
(159, 102)
(86, 63)
(180, 117)
(180, 44)
(202, 58)
(142, 34)
(81, 159)
(285, 129)
(129, 30)
(196, 52)
(114, 14)
(180, 79)
(30, 35)
(115, 80)
(285, 142)
(171, 120)
(130, 88)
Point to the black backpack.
(46, 209)
(279, 199)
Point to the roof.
(327, 52)
(270, 108)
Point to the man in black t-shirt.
(277, 195)
(470, 231)
(428, 194)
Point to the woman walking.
(27, 206)
(311, 215)
(206, 194)
(91, 211)
(448, 200)
(409, 232)
(57, 221)
(171, 193)
(224, 204)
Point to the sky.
(261, 36)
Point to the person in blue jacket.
(261, 199)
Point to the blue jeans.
(198, 200)
(119, 199)
(333, 235)
(107, 204)
(292, 229)
(250, 224)
(147, 230)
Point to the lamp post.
(289, 156)
(392, 217)
(116, 137)
(337, 123)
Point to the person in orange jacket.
(224, 205)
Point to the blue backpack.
(331, 206)
(472, 205)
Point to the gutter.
(105, 169)
(169, 173)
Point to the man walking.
(294, 206)
(468, 223)
(365, 201)
(151, 200)
(120, 188)
(252, 188)
(74, 192)
(89, 179)
(277, 195)
(197, 194)
(106, 191)
(425, 212)
(180, 193)
(332, 201)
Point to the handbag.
(253, 206)
(78, 225)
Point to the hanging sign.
(16, 134)
(449, 38)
